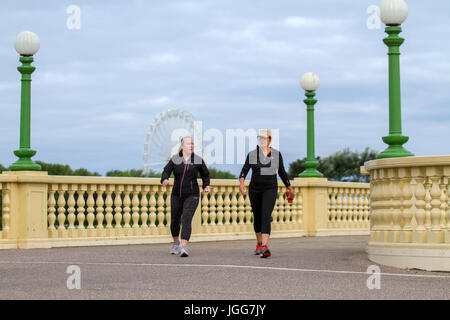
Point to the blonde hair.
(182, 142)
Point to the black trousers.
(262, 202)
(182, 211)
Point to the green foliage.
(217, 174)
(132, 173)
(55, 169)
(340, 166)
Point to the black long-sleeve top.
(264, 169)
(186, 174)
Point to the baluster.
(391, 205)
(51, 210)
(360, 217)
(99, 214)
(227, 203)
(90, 210)
(447, 233)
(168, 192)
(405, 180)
(381, 203)
(71, 210)
(6, 210)
(340, 208)
(248, 214)
(118, 210)
(275, 214)
(126, 210)
(351, 208)
(281, 209)
(435, 234)
(419, 234)
(435, 203)
(374, 205)
(62, 232)
(110, 231)
(299, 200)
(137, 231)
(396, 212)
(153, 229)
(234, 214)
(288, 214)
(241, 204)
(367, 218)
(144, 210)
(386, 205)
(332, 208)
(161, 226)
(212, 214)
(220, 214)
(80, 211)
(205, 214)
(294, 208)
(443, 200)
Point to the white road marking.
(230, 266)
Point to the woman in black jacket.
(185, 192)
(263, 189)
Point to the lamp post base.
(311, 171)
(25, 162)
(395, 149)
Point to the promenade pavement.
(300, 268)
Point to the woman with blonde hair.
(184, 199)
(265, 162)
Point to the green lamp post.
(26, 44)
(393, 13)
(310, 82)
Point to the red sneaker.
(258, 249)
(265, 252)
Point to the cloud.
(232, 64)
(165, 58)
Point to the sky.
(104, 73)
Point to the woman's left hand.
(207, 189)
(291, 192)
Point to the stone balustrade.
(55, 211)
(410, 212)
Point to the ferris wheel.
(163, 138)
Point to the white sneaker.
(175, 249)
(183, 252)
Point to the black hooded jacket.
(265, 169)
(186, 174)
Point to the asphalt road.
(300, 268)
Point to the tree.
(132, 173)
(56, 169)
(217, 174)
(340, 166)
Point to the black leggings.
(262, 203)
(182, 211)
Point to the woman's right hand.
(242, 189)
(165, 183)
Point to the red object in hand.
(288, 197)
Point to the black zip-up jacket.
(186, 174)
(264, 169)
